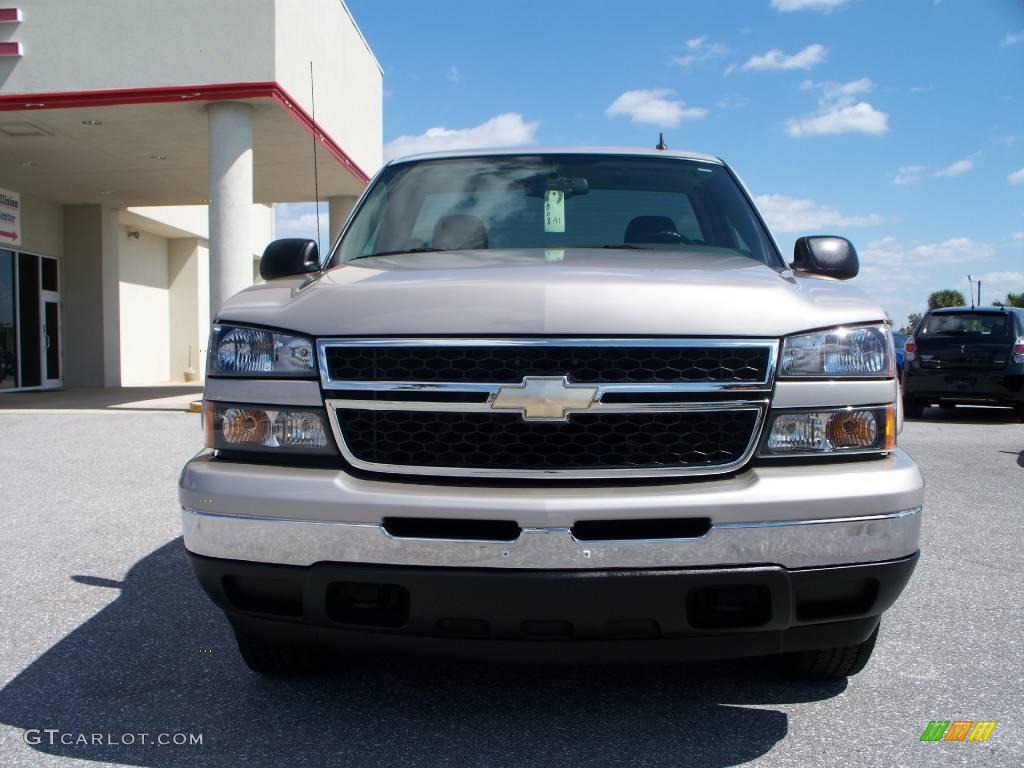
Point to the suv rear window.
(967, 324)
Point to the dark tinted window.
(989, 325)
(49, 274)
(556, 202)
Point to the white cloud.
(453, 74)
(787, 6)
(507, 130)
(1012, 38)
(792, 214)
(1002, 281)
(1017, 177)
(839, 111)
(957, 168)
(857, 118)
(699, 49)
(838, 93)
(909, 174)
(654, 107)
(775, 60)
(892, 253)
(1019, 235)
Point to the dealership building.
(142, 147)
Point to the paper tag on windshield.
(554, 211)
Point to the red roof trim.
(10, 102)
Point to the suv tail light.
(909, 349)
(1018, 350)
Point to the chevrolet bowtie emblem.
(544, 398)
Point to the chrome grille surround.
(743, 396)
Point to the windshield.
(988, 325)
(556, 202)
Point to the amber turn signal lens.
(245, 425)
(852, 429)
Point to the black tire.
(831, 663)
(912, 408)
(272, 657)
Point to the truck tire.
(912, 407)
(831, 663)
(271, 657)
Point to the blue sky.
(897, 124)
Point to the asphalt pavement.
(103, 632)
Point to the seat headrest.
(651, 229)
(459, 232)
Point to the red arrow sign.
(9, 235)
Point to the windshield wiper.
(625, 246)
(400, 252)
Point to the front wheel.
(273, 657)
(912, 407)
(831, 663)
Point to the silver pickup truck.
(560, 404)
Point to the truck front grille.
(590, 364)
(547, 408)
(586, 441)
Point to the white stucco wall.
(349, 81)
(109, 44)
(73, 45)
(144, 308)
(42, 226)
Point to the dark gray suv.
(965, 356)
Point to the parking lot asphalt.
(104, 631)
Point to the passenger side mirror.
(825, 255)
(290, 256)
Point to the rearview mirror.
(826, 255)
(290, 256)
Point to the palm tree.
(947, 297)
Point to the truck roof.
(498, 151)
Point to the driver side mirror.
(290, 256)
(825, 255)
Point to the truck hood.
(589, 292)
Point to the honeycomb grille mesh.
(586, 441)
(583, 364)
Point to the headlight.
(864, 350)
(241, 351)
(266, 428)
(839, 430)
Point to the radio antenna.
(316, 177)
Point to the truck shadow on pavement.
(161, 659)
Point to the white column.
(341, 206)
(230, 169)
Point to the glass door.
(53, 375)
(8, 322)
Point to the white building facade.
(142, 147)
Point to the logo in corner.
(958, 730)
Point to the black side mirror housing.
(826, 255)
(289, 256)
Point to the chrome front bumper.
(792, 544)
(794, 516)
